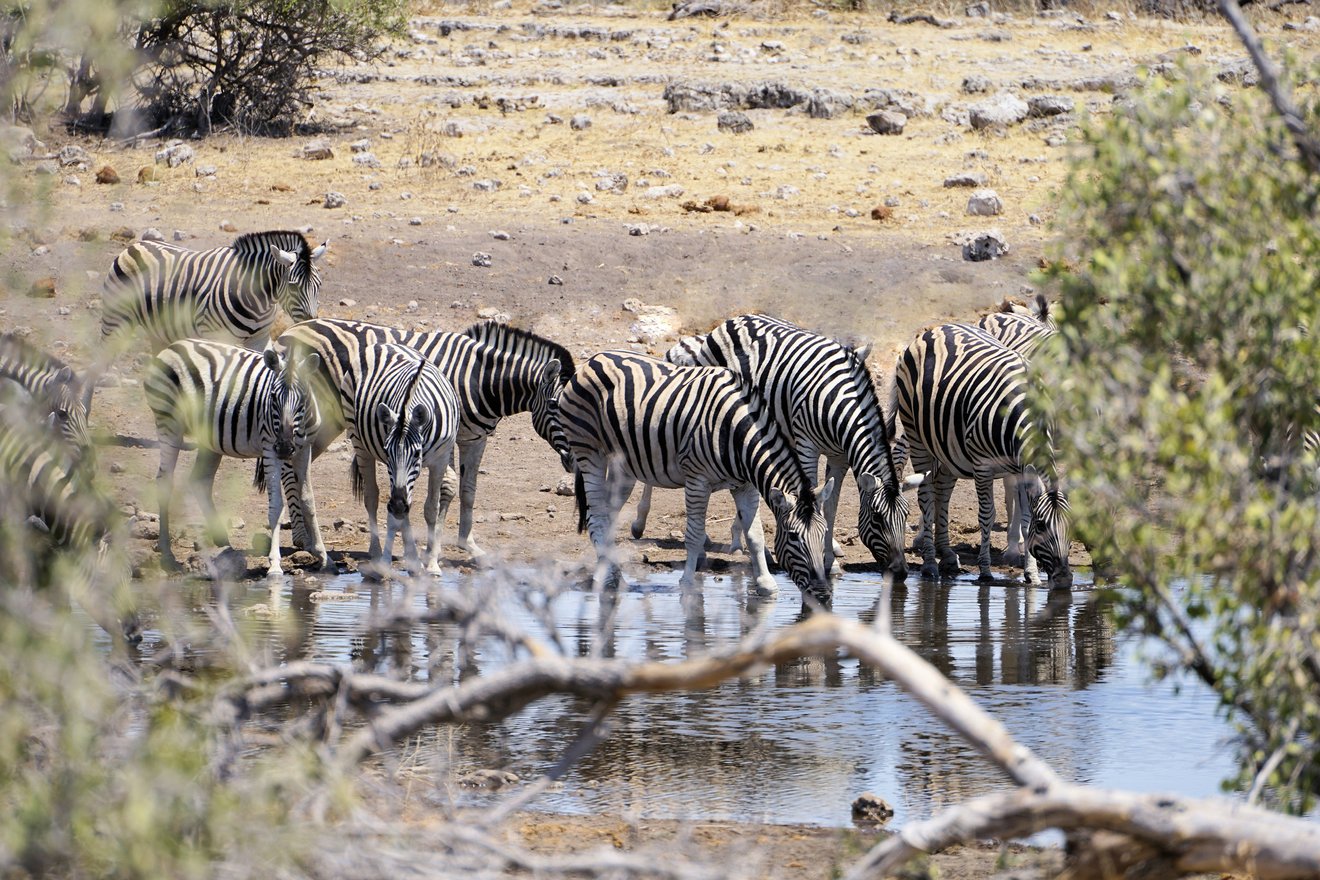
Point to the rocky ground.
(608, 178)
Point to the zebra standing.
(495, 370)
(404, 413)
(58, 530)
(236, 402)
(53, 384)
(628, 417)
(167, 293)
(822, 397)
(961, 397)
(1022, 329)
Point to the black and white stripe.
(54, 386)
(240, 403)
(166, 293)
(631, 418)
(496, 372)
(404, 413)
(961, 397)
(823, 399)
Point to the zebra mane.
(254, 246)
(515, 341)
(862, 378)
(407, 396)
(760, 409)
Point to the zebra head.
(300, 286)
(406, 433)
(545, 413)
(293, 415)
(1047, 533)
(69, 416)
(800, 538)
(882, 520)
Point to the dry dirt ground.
(479, 94)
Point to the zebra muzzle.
(398, 504)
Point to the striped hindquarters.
(1014, 330)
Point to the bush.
(1184, 384)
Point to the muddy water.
(798, 742)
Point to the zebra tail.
(580, 497)
(259, 474)
(355, 473)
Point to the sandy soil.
(489, 96)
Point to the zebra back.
(51, 382)
(523, 344)
(228, 293)
(1022, 333)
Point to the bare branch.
(1276, 90)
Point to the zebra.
(823, 399)
(960, 395)
(1022, 329)
(55, 386)
(496, 371)
(228, 294)
(404, 413)
(58, 530)
(237, 402)
(629, 417)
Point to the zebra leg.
(943, 488)
(835, 468)
(435, 480)
(169, 458)
(643, 511)
(696, 499)
(1030, 568)
(1012, 524)
(364, 468)
(748, 520)
(275, 506)
(203, 478)
(925, 540)
(600, 521)
(298, 485)
(985, 513)
(469, 458)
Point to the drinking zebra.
(1022, 329)
(822, 398)
(58, 530)
(495, 370)
(53, 385)
(167, 293)
(404, 413)
(628, 417)
(961, 397)
(236, 402)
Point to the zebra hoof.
(1012, 558)
(375, 570)
(930, 572)
(985, 577)
(764, 587)
(636, 531)
(950, 568)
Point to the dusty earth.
(468, 140)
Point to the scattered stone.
(499, 235)
(19, 143)
(1035, 219)
(1004, 108)
(565, 486)
(985, 203)
(734, 122)
(989, 245)
(42, 288)
(318, 149)
(654, 324)
(415, 221)
(487, 779)
(180, 235)
(72, 180)
(611, 181)
(871, 809)
(489, 185)
(348, 302)
(361, 146)
(481, 259)
(886, 122)
(580, 122)
(46, 168)
(556, 281)
(335, 200)
(1056, 140)
(151, 233)
(978, 10)
(671, 191)
(639, 229)
(585, 198)
(967, 178)
(123, 234)
(174, 155)
(827, 104)
(975, 84)
(881, 212)
(366, 160)
(107, 175)
(73, 155)
(1049, 105)
(204, 171)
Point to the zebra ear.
(386, 416)
(319, 252)
(550, 372)
(65, 375)
(421, 416)
(272, 359)
(310, 363)
(826, 492)
(286, 258)
(867, 483)
(864, 351)
(912, 481)
(780, 501)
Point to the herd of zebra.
(750, 407)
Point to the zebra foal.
(54, 386)
(404, 413)
(166, 293)
(236, 402)
(961, 397)
(628, 418)
(496, 371)
(822, 398)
